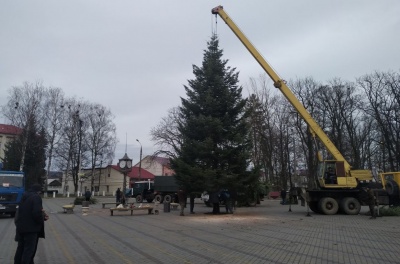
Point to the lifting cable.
(214, 28)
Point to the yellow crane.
(339, 184)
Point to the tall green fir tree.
(215, 149)
(35, 157)
(12, 155)
(35, 154)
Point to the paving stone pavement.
(267, 233)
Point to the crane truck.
(340, 188)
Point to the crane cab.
(391, 182)
(332, 174)
(327, 173)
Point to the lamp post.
(290, 173)
(81, 180)
(140, 160)
(125, 164)
(101, 165)
(79, 167)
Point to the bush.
(389, 211)
(79, 200)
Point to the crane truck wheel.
(139, 198)
(167, 198)
(392, 188)
(328, 206)
(350, 206)
(313, 206)
(158, 198)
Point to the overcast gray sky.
(135, 56)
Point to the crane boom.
(281, 85)
(338, 186)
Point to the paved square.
(267, 233)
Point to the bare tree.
(100, 137)
(306, 91)
(346, 126)
(70, 150)
(262, 106)
(383, 94)
(166, 134)
(54, 105)
(24, 105)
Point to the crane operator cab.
(330, 175)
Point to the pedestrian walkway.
(267, 233)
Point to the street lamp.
(289, 169)
(101, 165)
(140, 160)
(81, 180)
(125, 164)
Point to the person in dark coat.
(118, 195)
(283, 196)
(88, 194)
(227, 201)
(371, 200)
(182, 200)
(233, 199)
(214, 200)
(191, 200)
(123, 199)
(29, 225)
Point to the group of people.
(181, 198)
(224, 196)
(215, 198)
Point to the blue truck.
(12, 188)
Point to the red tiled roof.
(162, 160)
(10, 130)
(144, 174)
(135, 173)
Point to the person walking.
(283, 196)
(182, 200)
(123, 199)
(214, 200)
(118, 196)
(227, 200)
(29, 224)
(371, 200)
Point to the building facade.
(7, 134)
(159, 166)
(106, 180)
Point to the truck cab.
(11, 191)
(141, 190)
